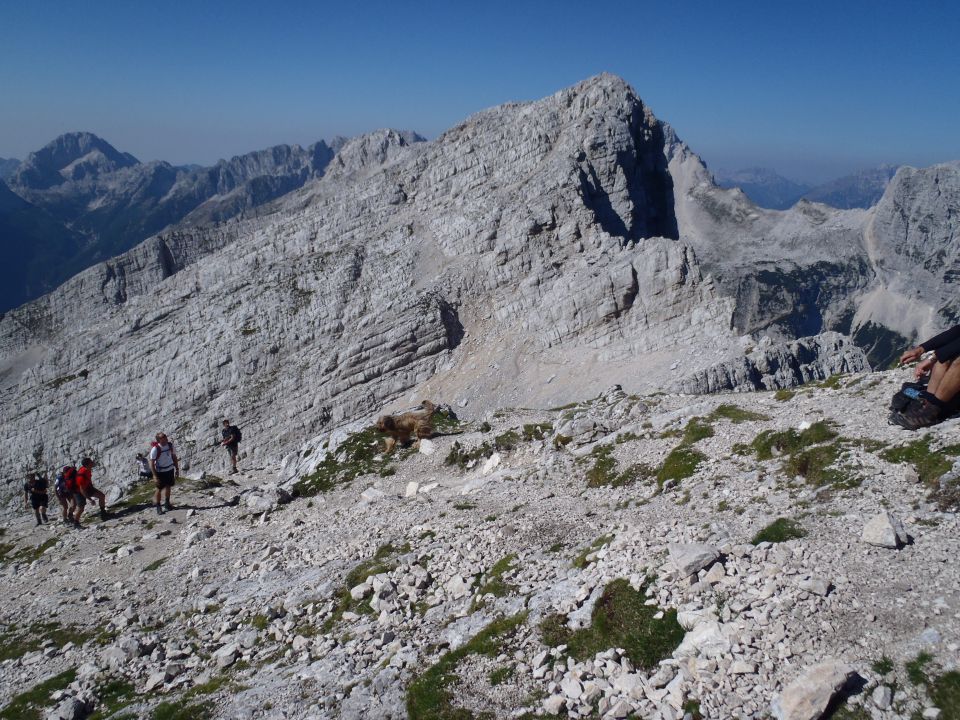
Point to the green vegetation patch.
(784, 395)
(444, 422)
(811, 454)
(360, 454)
(620, 619)
(178, 711)
(155, 565)
(501, 675)
(883, 666)
(945, 693)
(465, 458)
(681, 463)
(17, 642)
(383, 561)
(930, 464)
(580, 561)
(64, 379)
(604, 471)
(429, 696)
(735, 414)
(696, 430)
(30, 705)
(113, 697)
(780, 530)
(493, 582)
(537, 431)
(917, 668)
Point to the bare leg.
(936, 375)
(948, 383)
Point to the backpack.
(69, 477)
(237, 435)
(160, 452)
(908, 393)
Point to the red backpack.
(70, 478)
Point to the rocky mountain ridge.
(110, 201)
(490, 266)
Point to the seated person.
(938, 401)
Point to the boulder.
(807, 697)
(885, 530)
(690, 558)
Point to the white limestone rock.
(807, 697)
(885, 530)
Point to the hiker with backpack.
(64, 487)
(86, 491)
(231, 441)
(165, 466)
(143, 467)
(35, 493)
(937, 400)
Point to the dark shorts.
(165, 478)
(39, 501)
(232, 449)
(80, 499)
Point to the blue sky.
(813, 89)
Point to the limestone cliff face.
(528, 235)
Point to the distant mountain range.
(79, 200)
(7, 167)
(769, 189)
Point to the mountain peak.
(71, 156)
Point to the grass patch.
(15, 643)
(681, 463)
(429, 696)
(788, 442)
(580, 561)
(604, 471)
(501, 675)
(179, 711)
(735, 414)
(783, 395)
(831, 382)
(383, 561)
(780, 530)
(945, 693)
(696, 430)
(620, 619)
(493, 583)
(883, 666)
(917, 668)
(930, 464)
(32, 554)
(464, 506)
(444, 422)
(537, 431)
(30, 705)
(113, 697)
(358, 455)
(155, 565)
(811, 454)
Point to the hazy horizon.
(813, 95)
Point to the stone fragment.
(690, 558)
(155, 680)
(706, 639)
(815, 584)
(882, 696)
(554, 704)
(69, 709)
(372, 495)
(884, 530)
(412, 488)
(427, 447)
(807, 697)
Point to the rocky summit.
(660, 482)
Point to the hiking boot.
(104, 515)
(917, 415)
(233, 472)
(159, 510)
(43, 516)
(168, 505)
(39, 523)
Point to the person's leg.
(166, 492)
(36, 513)
(948, 382)
(156, 497)
(937, 374)
(43, 511)
(78, 513)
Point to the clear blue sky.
(813, 89)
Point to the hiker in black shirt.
(938, 401)
(35, 494)
(231, 441)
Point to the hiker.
(143, 467)
(231, 441)
(86, 491)
(64, 487)
(165, 466)
(35, 494)
(937, 401)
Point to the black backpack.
(237, 435)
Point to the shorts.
(165, 478)
(80, 499)
(64, 495)
(232, 449)
(38, 501)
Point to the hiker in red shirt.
(86, 491)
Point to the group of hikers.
(74, 488)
